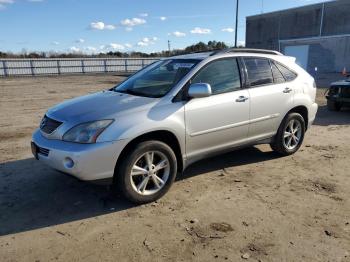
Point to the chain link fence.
(57, 66)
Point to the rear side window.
(259, 71)
(278, 78)
(222, 75)
(287, 73)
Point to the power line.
(236, 26)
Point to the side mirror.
(199, 90)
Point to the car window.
(157, 79)
(223, 76)
(287, 73)
(259, 71)
(277, 75)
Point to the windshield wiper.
(131, 92)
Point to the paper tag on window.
(182, 65)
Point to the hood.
(343, 83)
(97, 106)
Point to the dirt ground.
(246, 205)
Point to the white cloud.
(241, 43)
(74, 49)
(142, 43)
(162, 18)
(97, 25)
(3, 3)
(198, 30)
(116, 46)
(146, 41)
(35, 1)
(55, 43)
(127, 45)
(109, 27)
(143, 14)
(101, 26)
(128, 29)
(80, 41)
(91, 49)
(178, 34)
(133, 22)
(228, 29)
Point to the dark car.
(338, 95)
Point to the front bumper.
(312, 114)
(90, 161)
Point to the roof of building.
(289, 9)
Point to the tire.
(333, 105)
(281, 143)
(163, 168)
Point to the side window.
(259, 71)
(277, 75)
(287, 73)
(223, 76)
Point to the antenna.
(237, 4)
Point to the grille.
(48, 125)
(43, 151)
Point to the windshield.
(157, 79)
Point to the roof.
(200, 56)
(341, 83)
(204, 55)
(290, 9)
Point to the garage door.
(300, 52)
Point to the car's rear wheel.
(333, 105)
(290, 135)
(147, 172)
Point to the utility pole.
(237, 4)
(169, 46)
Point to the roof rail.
(247, 50)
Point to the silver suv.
(145, 130)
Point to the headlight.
(86, 133)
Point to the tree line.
(198, 47)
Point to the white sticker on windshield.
(182, 65)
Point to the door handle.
(241, 99)
(287, 90)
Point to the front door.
(221, 120)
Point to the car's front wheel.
(290, 135)
(147, 172)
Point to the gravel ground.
(245, 205)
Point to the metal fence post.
(4, 65)
(58, 67)
(82, 66)
(105, 65)
(143, 63)
(31, 67)
(126, 65)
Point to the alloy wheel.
(292, 134)
(150, 172)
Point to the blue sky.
(124, 25)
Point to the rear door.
(271, 96)
(221, 120)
